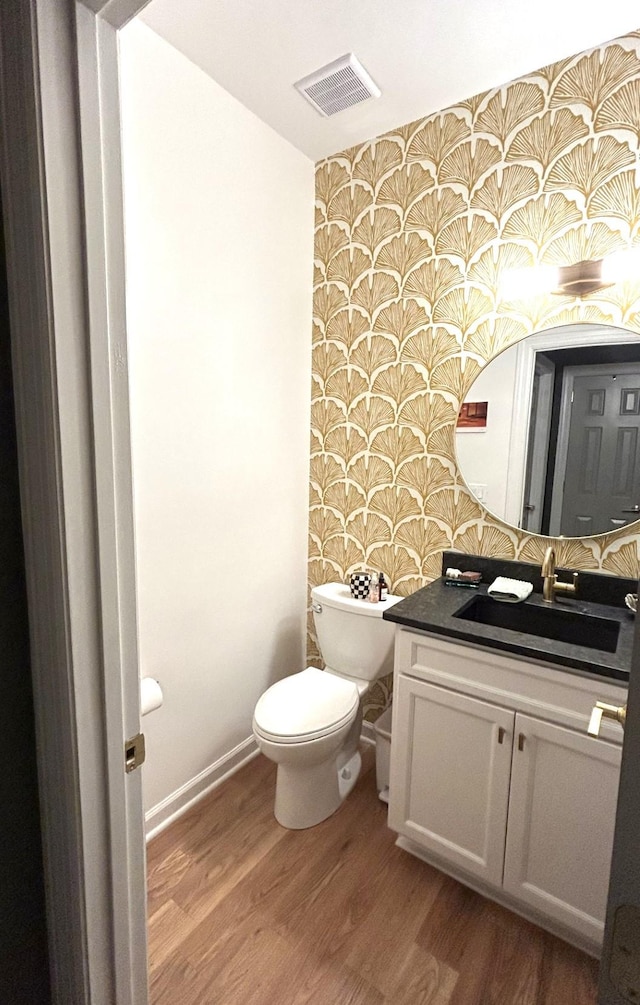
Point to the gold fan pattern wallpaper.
(413, 231)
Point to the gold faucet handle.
(567, 587)
(601, 710)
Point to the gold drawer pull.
(601, 710)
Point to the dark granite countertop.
(434, 608)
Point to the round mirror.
(548, 437)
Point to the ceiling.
(423, 54)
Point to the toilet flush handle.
(316, 607)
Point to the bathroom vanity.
(494, 778)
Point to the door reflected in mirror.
(559, 454)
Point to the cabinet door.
(450, 765)
(562, 809)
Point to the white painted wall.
(219, 245)
(483, 457)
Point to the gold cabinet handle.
(601, 710)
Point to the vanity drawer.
(548, 692)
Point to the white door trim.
(99, 103)
(565, 337)
(536, 464)
(64, 229)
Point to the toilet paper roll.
(150, 695)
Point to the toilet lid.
(306, 705)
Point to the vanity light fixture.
(581, 279)
(578, 280)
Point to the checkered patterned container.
(359, 583)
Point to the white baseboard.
(159, 817)
(166, 812)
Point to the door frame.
(563, 337)
(60, 175)
(539, 428)
(564, 427)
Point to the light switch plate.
(479, 491)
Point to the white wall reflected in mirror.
(560, 452)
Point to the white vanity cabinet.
(458, 810)
(495, 780)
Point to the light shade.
(578, 280)
(581, 279)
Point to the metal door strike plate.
(134, 752)
(624, 968)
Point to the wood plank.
(207, 883)
(403, 892)
(167, 930)
(449, 926)
(252, 970)
(421, 979)
(215, 848)
(571, 977)
(270, 968)
(165, 875)
(176, 982)
(516, 958)
(208, 820)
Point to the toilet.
(310, 723)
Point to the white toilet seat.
(305, 706)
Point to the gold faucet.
(551, 586)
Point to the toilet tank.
(353, 638)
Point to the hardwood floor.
(243, 911)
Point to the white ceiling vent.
(338, 85)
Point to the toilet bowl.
(309, 724)
(302, 723)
